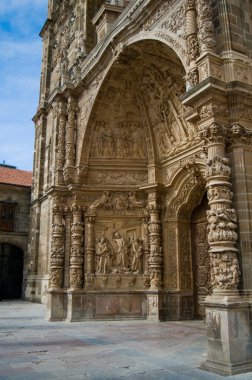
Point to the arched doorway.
(11, 271)
(200, 257)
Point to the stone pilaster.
(227, 315)
(60, 158)
(57, 248)
(76, 255)
(69, 167)
(90, 250)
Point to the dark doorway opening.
(11, 271)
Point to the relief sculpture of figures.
(123, 140)
(117, 252)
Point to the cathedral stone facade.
(142, 196)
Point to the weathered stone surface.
(129, 139)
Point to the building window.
(7, 216)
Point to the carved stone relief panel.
(123, 140)
(122, 177)
(119, 246)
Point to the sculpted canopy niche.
(137, 118)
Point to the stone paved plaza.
(32, 348)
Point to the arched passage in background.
(11, 271)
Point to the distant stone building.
(15, 197)
(143, 124)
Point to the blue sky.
(20, 63)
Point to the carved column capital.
(213, 133)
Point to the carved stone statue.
(122, 251)
(137, 248)
(104, 254)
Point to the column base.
(154, 306)
(56, 305)
(224, 369)
(229, 335)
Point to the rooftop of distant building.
(12, 176)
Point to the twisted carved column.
(222, 235)
(57, 248)
(155, 257)
(76, 254)
(90, 249)
(70, 140)
(205, 26)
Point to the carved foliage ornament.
(117, 201)
(224, 270)
(205, 25)
(222, 225)
(218, 166)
